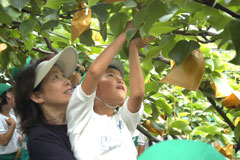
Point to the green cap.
(4, 87)
(15, 70)
(181, 150)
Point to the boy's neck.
(102, 109)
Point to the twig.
(147, 134)
(227, 120)
(211, 3)
(49, 45)
(36, 49)
(194, 34)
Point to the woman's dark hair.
(29, 112)
(3, 100)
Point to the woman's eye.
(55, 77)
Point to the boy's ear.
(36, 97)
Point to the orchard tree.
(209, 28)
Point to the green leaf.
(27, 26)
(5, 57)
(12, 12)
(92, 2)
(50, 14)
(188, 6)
(139, 18)
(19, 4)
(130, 34)
(130, 3)
(101, 12)
(158, 125)
(237, 132)
(5, 18)
(182, 49)
(182, 125)
(166, 107)
(160, 28)
(152, 86)
(201, 130)
(235, 34)
(147, 108)
(28, 41)
(213, 130)
(155, 11)
(159, 66)
(103, 31)
(148, 60)
(86, 38)
(53, 4)
(155, 111)
(16, 61)
(49, 25)
(169, 13)
(209, 62)
(15, 34)
(4, 3)
(117, 23)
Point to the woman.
(41, 96)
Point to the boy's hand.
(11, 122)
(140, 43)
(129, 25)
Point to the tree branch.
(227, 120)
(147, 134)
(36, 49)
(49, 45)
(211, 3)
(194, 34)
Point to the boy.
(8, 133)
(94, 130)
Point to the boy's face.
(111, 87)
(10, 99)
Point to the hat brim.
(66, 60)
(4, 88)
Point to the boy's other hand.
(140, 43)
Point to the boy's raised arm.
(137, 86)
(101, 63)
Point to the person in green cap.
(9, 138)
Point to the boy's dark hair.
(29, 112)
(3, 97)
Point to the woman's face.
(56, 90)
(111, 87)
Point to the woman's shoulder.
(42, 130)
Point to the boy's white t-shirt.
(100, 137)
(13, 143)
